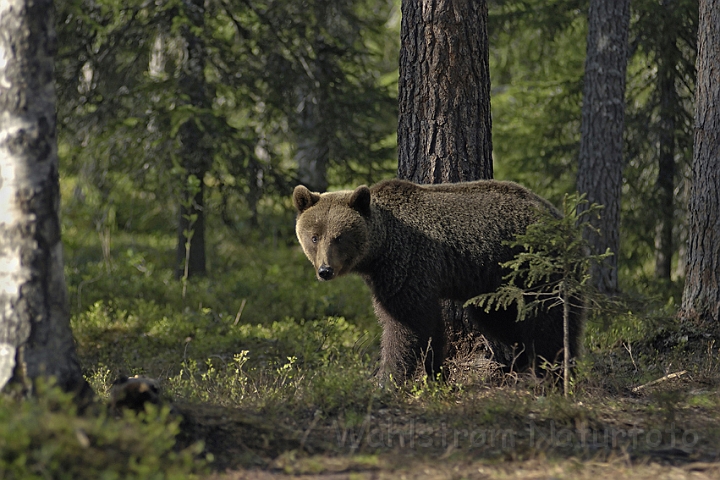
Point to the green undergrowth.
(43, 437)
(329, 369)
(259, 284)
(271, 366)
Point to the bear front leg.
(410, 336)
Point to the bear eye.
(314, 239)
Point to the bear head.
(333, 228)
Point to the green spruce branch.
(551, 269)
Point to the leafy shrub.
(44, 437)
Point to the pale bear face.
(333, 229)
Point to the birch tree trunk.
(444, 105)
(701, 296)
(603, 119)
(35, 337)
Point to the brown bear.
(415, 245)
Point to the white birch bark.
(35, 337)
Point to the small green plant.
(551, 269)
(192, 188)
(429, 388)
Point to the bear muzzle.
(325, 272)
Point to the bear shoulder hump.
(392, 187)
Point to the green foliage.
(124, 94)
(552, 266)
(434, 391)
(551, 269)
(265, 267)
(537, 55)
(625, 328)
(229, 340)
(328, 368)
(663, 38)
(262, 275)
(44, 437)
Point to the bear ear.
(360, 200)
(304, 198)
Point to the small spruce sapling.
(551, 269)
(192, 188)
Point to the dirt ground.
(670, 432)
(522, 470)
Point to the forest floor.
(663, 429)
(273, 372)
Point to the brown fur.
(415, 245)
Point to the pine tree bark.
(444, 92)
(35, 337)
(701, 296)
(603, 119)
(444, 105)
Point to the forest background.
(305, 92)
(182, 131)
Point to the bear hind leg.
(508, 340)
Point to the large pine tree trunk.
(444, 104)
(603, 119)
(35, 337)
(701, 297)
(444, 92)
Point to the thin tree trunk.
(312, 158)
(444, 104)
(603, 118)
(669, 105)
(313, 145)
(701, 296)
(666, 177)
(194, 263)
(566, 341)
(195, 154)
(35, 337)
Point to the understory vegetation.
(264, 369)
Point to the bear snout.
(326, 272)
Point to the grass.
(285, 385)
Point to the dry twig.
(669, 376)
